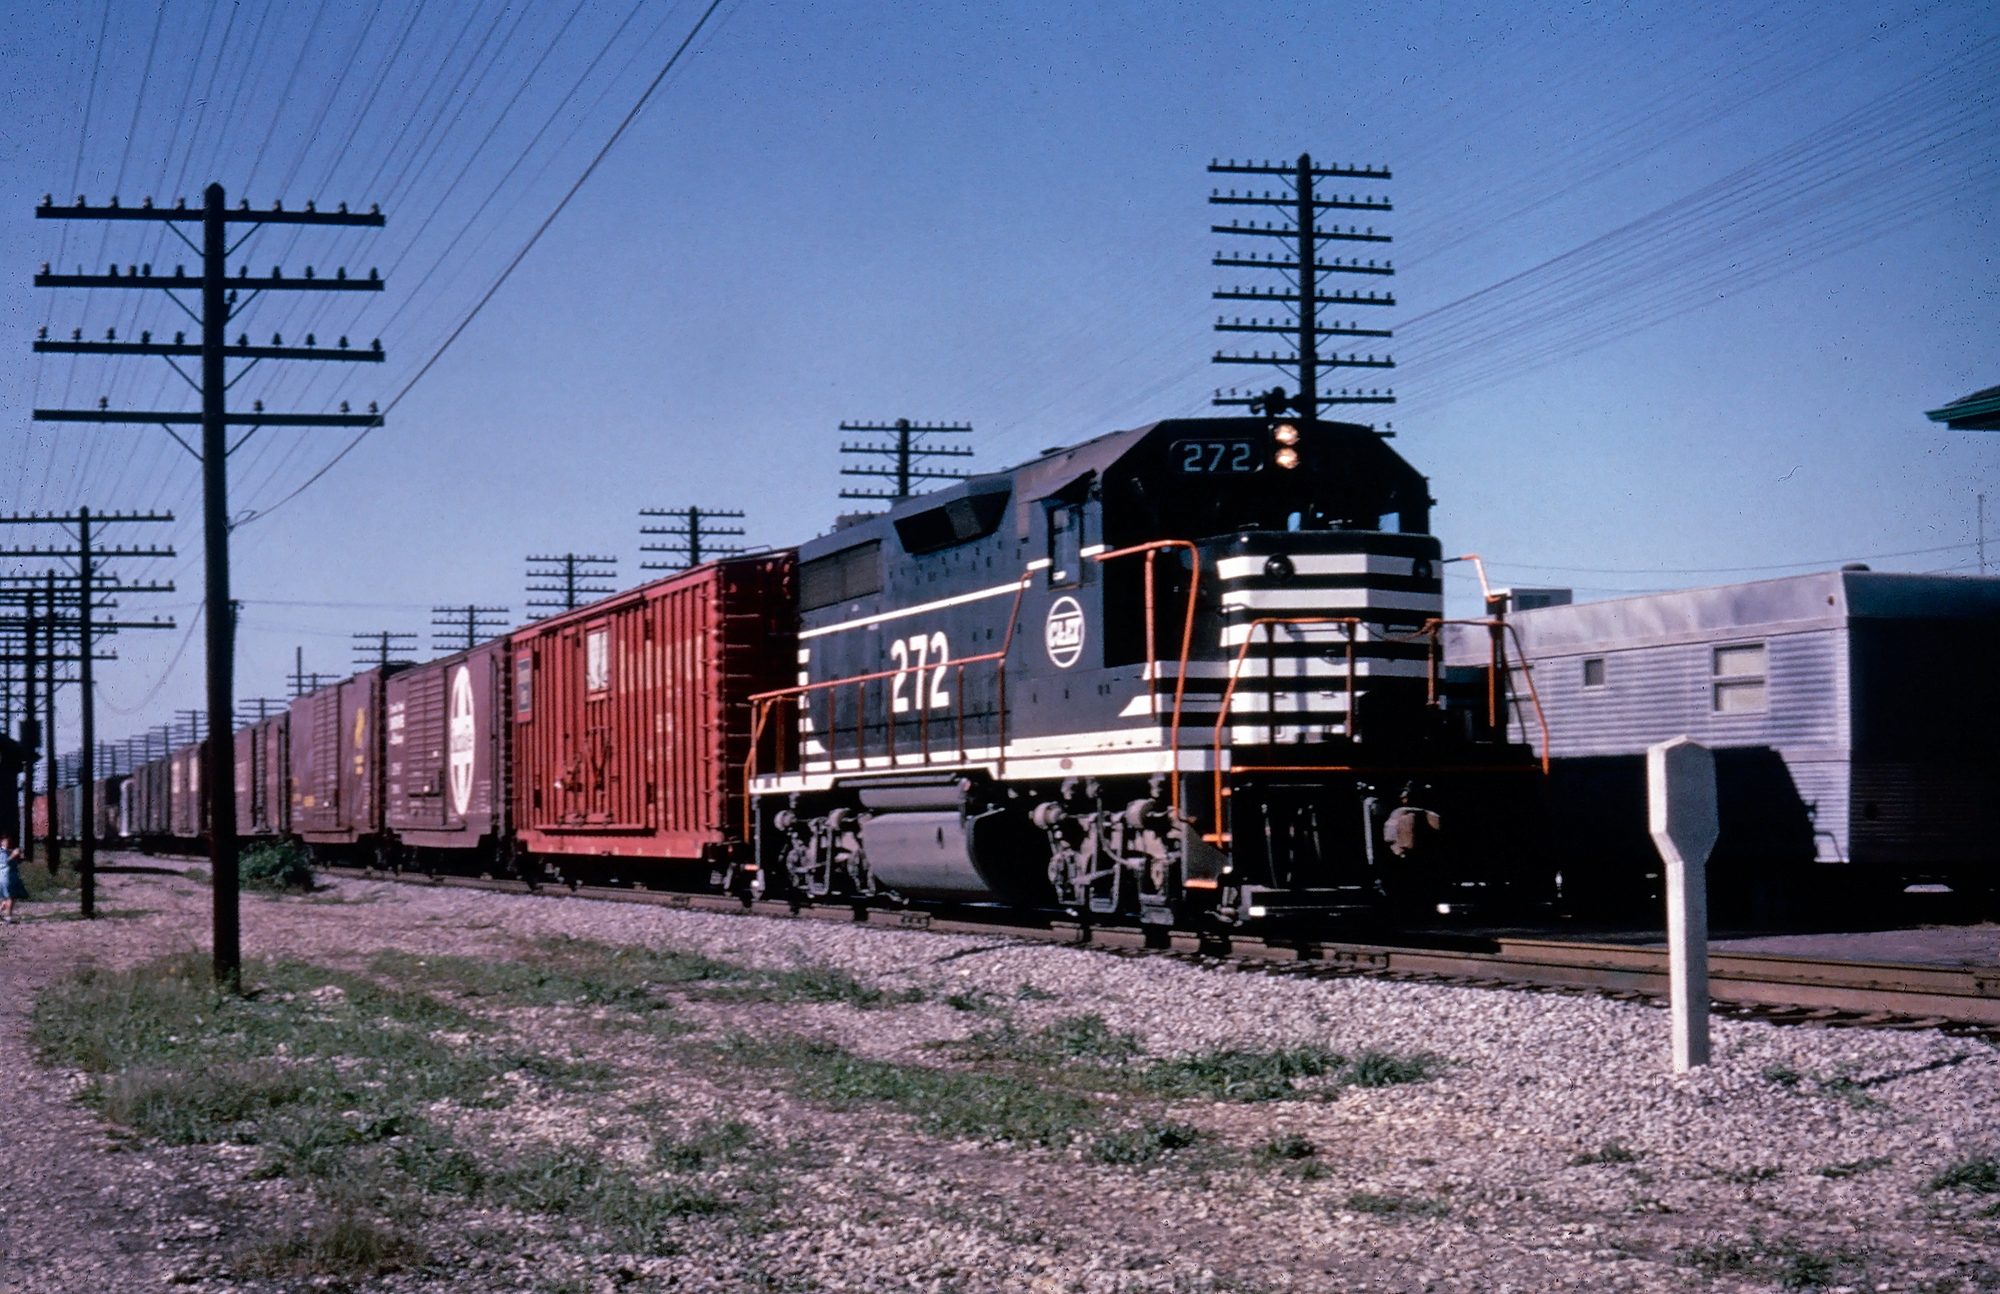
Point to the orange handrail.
(1151, 550)
(763, 703)
(1352, 623)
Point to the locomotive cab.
(1177, 675)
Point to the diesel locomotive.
(1179, 675)
(1184, 675)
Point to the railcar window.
(1593, 672)
(1740, 678)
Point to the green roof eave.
(1979, 411)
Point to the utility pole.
(256, 709)
(372, 649)
(907, 451)
(574, 575)
(303, 683)
(1300, 234)
(196, 722)
(689, 536)
(220, 304)
(31, 730)
(463, 625)
(87, 591)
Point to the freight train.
(1188, 675)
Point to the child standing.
(11, 887)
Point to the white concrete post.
(1680, 796)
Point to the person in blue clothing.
(11, 887)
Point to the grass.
(1977, 1175)
(1850, 1168)
(1394, 1205)
(334, 1077)
(564, 971)
(339, 1244)
(1143, 1144)
(949, 1103)
(278, 867)
(1789, 1264)
(1285, 1074)
(580, 1183)
(1289, 1146)
(1611, 1152)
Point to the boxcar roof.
(1789, 604)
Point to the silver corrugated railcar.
(1855, 715)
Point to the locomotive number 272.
(930, 653)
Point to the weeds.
(997, 1107)
(716, 1141)
(577, 1182)
(1978, 1175)
(1144, 1144)
(1851, 1168)
(1290, 1146)
(1611, 1152)
(1790, 1264)
(340, 1245)
(1064, 1041)
(1029, 993)
(1394, 1205)
(279, 867)
(1281, 1075)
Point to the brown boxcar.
(631, 716)
(148, 803)
(447, 752)
(336, 767)
(104, 808)
(187, 812)
(263, 783)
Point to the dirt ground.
(1542, 1151)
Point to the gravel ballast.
(1549, 1148)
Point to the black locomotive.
(1181, 674)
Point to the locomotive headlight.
(1285, 434)
(1287, 458)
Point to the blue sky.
(1676, 281)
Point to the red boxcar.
(336, 768)
(632, 718)
(263, 782)
(447, 752)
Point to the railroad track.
(1963, 1000)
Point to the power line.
(512, 265)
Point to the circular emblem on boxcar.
(1064, 632)
(464, 734)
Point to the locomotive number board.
(1220, 457)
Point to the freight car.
(338, 751)
(1851, 760)
(1179, 675)
(631, 723)
(105, 808)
